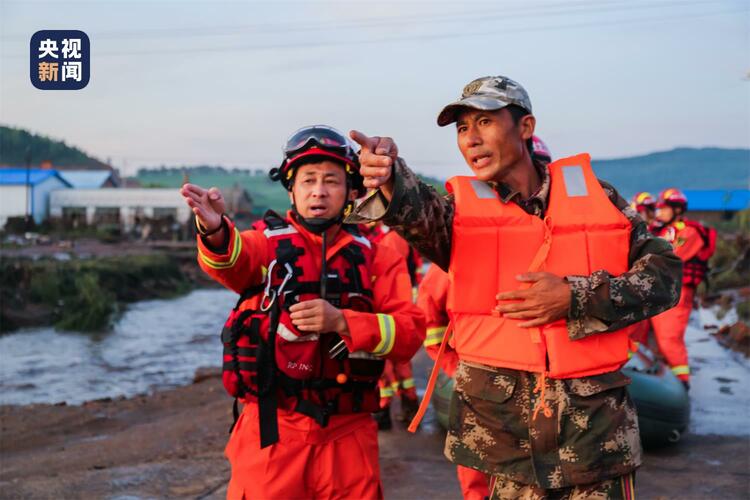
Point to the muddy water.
(156, 344)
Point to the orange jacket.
(244, 263)
(432, 298)
(690, 246)
(385, 236)
(493, 242)
(685, 239)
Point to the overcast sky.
(206, 82)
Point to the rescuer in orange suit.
(304, 347)
(644, 203)
(432, 298)
(398, 377)
(669, 327)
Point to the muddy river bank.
(170, 444)
(154, 431)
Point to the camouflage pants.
(619, 488)
(589, 434)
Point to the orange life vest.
(493, 242)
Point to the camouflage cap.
(488, 93)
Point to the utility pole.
(26, 224)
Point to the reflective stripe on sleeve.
(407, 383)
(386, 392)
(236, 248)
(434, 336)
(387, 334)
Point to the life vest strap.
(541, 388)
(431, 383)
(537, 264)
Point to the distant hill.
(16, 142)
(684, 168)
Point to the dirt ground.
(169, 445)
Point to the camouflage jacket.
(592, 434)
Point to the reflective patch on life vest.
(288, 335)
(483, 190)
(575, 182)
(268, 232)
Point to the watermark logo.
(60, 60)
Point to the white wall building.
(22, 190)
(120, 205)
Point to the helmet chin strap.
(318, 225)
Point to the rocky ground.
(169, 445)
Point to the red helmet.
(316, 143)
(672, 197)
(642, 201)
(541, 151)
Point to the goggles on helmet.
(322, 137)
(318, 141)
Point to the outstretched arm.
(414, 209)
(232, 258)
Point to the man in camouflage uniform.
(589, 446)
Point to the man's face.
(491, 143)
(647, 213)
(319, 190)
(665, 213)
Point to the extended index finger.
(367, 143)
(192, 188)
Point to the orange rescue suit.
(493, 242)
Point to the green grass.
(84, 295)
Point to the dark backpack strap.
(235, 414)
(268, 372)
(267, 388)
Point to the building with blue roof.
(712, 205)
(23, 190)
(90, 179)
